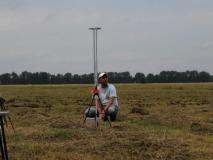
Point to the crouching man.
(108, 97)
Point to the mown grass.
(155, 121)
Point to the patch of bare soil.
(202, 128)
(64, 124)
(139, 110)
(145, 148)
(184, 102)
(34, 103)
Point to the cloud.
(140, 35)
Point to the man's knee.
(90, 112)
(112, 112)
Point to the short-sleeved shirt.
(108, 92)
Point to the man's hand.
(109, 104)
(106, 109)
(102, 114)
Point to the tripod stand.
(96, 94)
(3, 143)
(3, 108)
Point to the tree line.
(114, 77)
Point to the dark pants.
(112, 112)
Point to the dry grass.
(155, 122)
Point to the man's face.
(103, 81)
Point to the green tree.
(150, 78)
(5, 78)
(204, 77)
(68, 78)
(140, 78)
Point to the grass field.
(155, 122)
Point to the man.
(108, 97)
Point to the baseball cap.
(101, 75)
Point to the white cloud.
(139, 36)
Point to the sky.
(137, 36)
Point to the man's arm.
(100, 109)
(98, 106)
(109, 104)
